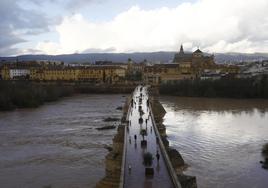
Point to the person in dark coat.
(157, 155)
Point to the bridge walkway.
(134, 172)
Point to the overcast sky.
(81, 26)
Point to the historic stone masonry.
(175, 157)
(115, 167)
(113, 160)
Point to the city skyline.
(64, 27)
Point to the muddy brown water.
(221, 139)
(57, 144)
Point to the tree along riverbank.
(29, 95)
(265, 156)
(222, 88)
(23, 94)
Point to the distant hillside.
(240, 57)
(163, 57)
(92, 57)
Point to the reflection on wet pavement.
(140, 119)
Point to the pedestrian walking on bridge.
(157, 155)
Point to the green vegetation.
(265, 150)
(227, 87)
(27, 95)
(265, 156)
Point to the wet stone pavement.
(134, 165)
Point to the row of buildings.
(253, 69)
(39, 72)
(196, 65)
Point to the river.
(57, 145)
(220, 139)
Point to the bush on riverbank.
(26, 94)
(227, 87)
(265, 150)
(265, 156)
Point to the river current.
(57, 145)
(220, 139)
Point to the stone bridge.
(141, 155)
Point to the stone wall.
(113, 160)
(175, 157)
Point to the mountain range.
(163, 57)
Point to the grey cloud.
(35, 31)
(33, 51)
(15, 19)
(8, 39)
(4, 52)
(69, 4)
(77, 4)
(97, 50)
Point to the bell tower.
(181, 50)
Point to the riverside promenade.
(134, 168)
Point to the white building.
(18, 73)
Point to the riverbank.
(24, 94)
(30, 95)
(222, 88)
(265, 156)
